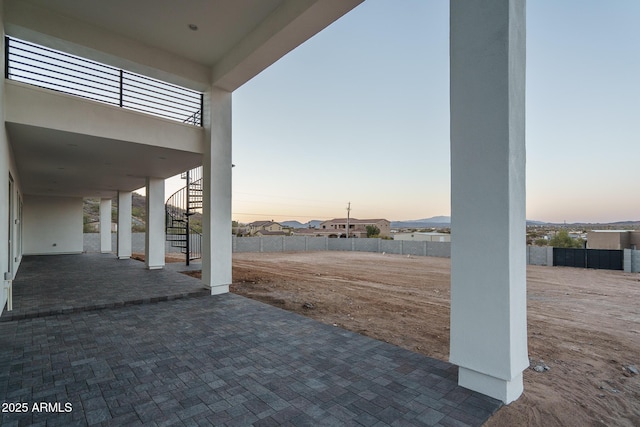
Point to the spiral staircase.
(181, 229)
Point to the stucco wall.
(52, 225)
(607, 240)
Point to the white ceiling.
(235, 40)
(56, 163)
(164, 24)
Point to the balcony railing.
(40, 66)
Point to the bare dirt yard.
(584, 325)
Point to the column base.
(219, 289)
(498, 388)
(124, 257)
(155, 267)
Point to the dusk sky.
(360, 114)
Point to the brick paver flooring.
(221, 360)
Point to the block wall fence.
(536, 255)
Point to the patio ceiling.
(58, 163)
(233, 42)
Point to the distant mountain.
(292, 224)
(438, 222)
(433, 222)
(434, 219)
(297, 224)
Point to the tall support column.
(216, 221)
(488, 253)
(154, 236)
(124, 224)
(105, 225)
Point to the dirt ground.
(583, 324)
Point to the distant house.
(270, 233)
(613, 239)
(337, 227)
(264, 226)
(423, 237)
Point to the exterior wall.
(634, 240)
(425, 237)
(608, 240)
(9, 262)
(357, 226)
(385, 228)
(52, 225)
(274, 227)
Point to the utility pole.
(348, 212)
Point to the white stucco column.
(155, 234)
(216, 221)
(105, 225)
(488, 253)
(124, 224)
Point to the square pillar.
(105, 226)
(155, 217)
(216, 212)
(124, 225)
(488, 250)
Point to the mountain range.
(442, 221)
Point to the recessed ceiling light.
(193, 27)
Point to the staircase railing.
(182, 208)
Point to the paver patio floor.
(219, 360)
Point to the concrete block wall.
(366, 245)
(391, 246)
(539, 255)
(340, 244)
(439, 249)
(413, 248)
(304, 243)
(296, 244)
(317, 243)
(631, 261)
(536, 255)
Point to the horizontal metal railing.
(40, 66)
